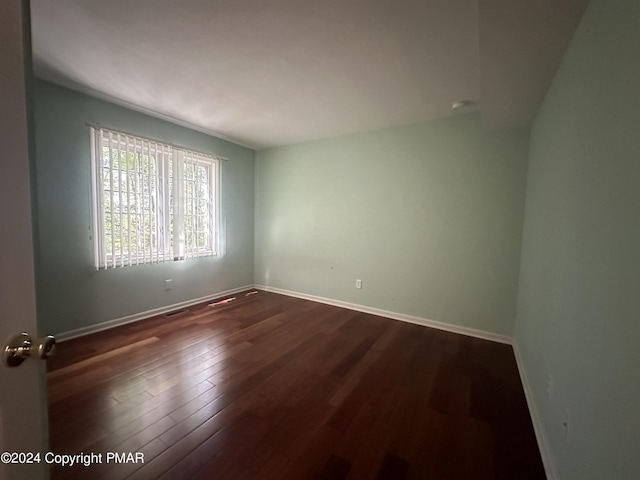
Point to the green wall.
(71, 293)
(578, 315)
(429, 216)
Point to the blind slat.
(111, 217)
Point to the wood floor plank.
(274, 387)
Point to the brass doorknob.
(21, 346)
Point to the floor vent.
(175, 312)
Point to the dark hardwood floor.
(274, 387)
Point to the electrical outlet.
(358, 283)
(168, 284)
(549, 385)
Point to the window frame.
(166, 207)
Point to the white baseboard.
(538, 427)
(60, 337)
(472, 332)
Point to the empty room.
(326, 240)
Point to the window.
(152, 202)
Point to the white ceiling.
(273, 72)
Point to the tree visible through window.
(152, 202)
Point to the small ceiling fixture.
(460, 104)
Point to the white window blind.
(152, 202)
